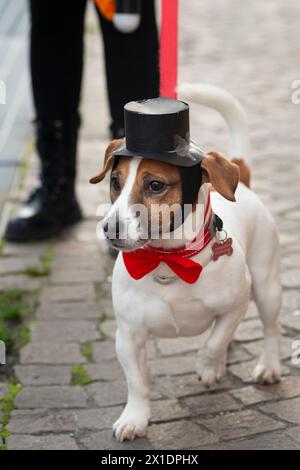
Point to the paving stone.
(211, 403)
(109, 328)
(43, 375)
(236, 353)
(103, 350)
(252, 311)
(173, 365)
(98, 418)
(106, 308)
(187, 385)
(10, 264)
(291, 299)
(239, 424)
(68, 311)
(288, 410)
(41, 421)
(48, 442)
(288, 387)
(249, 330)
(166, 410)
(51, 353)
(70, 249)
(294, 433)
(291, 278)
(3, 389)
(70, 276)
(78, 293)
(172, 346)
(105, 370)
(245, 370)
(76, 261)
(107, 393)
(19, 283)
(104, 440)
(179, 435)
(269, 441)
(291, 320)
(255, 348)
(25, 249)
(51, 397)
(64, 331)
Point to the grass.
(7, 404)
(1, 246)
(45, 267)
(15, 307)
(87, 351)
(80, 376)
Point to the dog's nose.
(114, 232)
(117, 229)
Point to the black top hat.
(159, 128)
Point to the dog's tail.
(229, 107)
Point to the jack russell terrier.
(222, 250)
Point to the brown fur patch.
(121, 171)
(108, 160)
(148, 171)
(221, 173)
(245, 173)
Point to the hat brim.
(192, 157)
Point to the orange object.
(107, 8)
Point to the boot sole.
(72, 219)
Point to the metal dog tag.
(221, 249)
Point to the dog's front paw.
(132, 423)
(267, 371)
(210, 370)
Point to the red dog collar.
(141, 262)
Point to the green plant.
(7, 404)
(80, 376)
(24, 335)
(1, 246)
(15, 307)
(87, 351)
(44, 268)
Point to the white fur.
(218, 300)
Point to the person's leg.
(131, 62)
(56, 58)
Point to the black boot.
(53, 205)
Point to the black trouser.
(131, 60)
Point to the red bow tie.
(141, 262)
(144, 260)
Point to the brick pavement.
(250, 49)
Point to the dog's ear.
(108, 160)
(221, 173)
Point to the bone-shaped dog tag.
(222, 248)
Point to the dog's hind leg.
(131, 353)
(264, 265)
(212, 358)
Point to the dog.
(163, 304)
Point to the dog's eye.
(115, 183)
(156, 186)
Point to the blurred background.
(15, 115)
